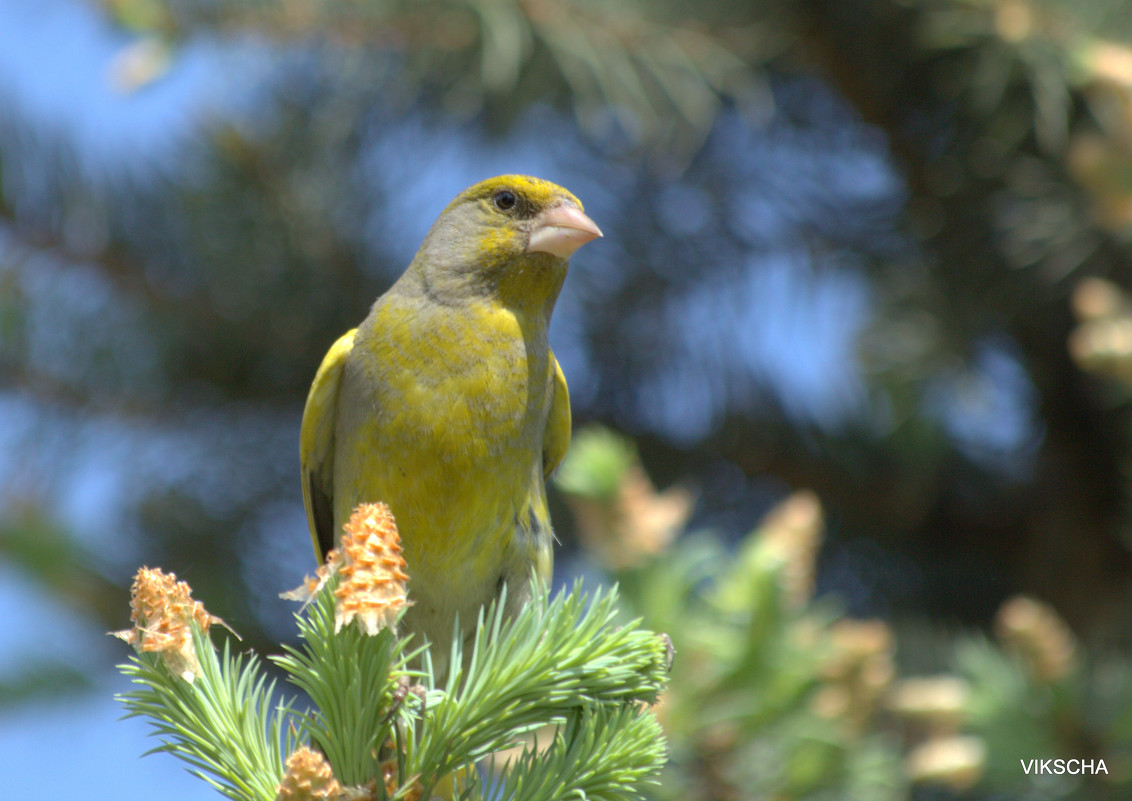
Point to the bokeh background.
(867, 248)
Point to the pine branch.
(668, 71)
(565, 661)
(553, 659)
(351, 679)
(222, 723)
(600, 753)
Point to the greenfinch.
(448, 405)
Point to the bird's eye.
(504, 200)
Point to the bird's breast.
(442, 417)
(467, 386)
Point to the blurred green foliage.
(776, 694)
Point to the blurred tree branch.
(659, 71)
(983, 102)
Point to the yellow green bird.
(447, 404)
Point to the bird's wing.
(316, 445)
(556, 440)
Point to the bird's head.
(509, 238)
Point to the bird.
(447, 404)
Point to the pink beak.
(560, 230)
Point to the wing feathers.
(316, 445)
(556, 439)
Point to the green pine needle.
(351, 678)
(566, 661)
(601, 753)
(552, 659)
(222, 724)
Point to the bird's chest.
(467, 392)
(444, 420)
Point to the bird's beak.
(560, 230)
